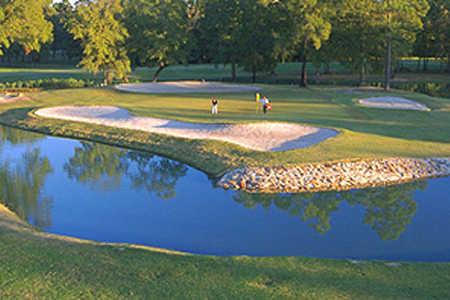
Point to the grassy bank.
(364, 132)
(284, 72)
(38, 265)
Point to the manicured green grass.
(35, 265)
(16, 74)
(287, 73)
(365, 132)
(40, 266)
(284, 73)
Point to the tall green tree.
(195, 52)
(355, 39)
(63, 43)
(24, 22)
(309, 27)
(434, 39)
(158, 32)
(219, 30)
(399, 20)
(98, 26)
(255, 38)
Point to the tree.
(399, 20)
(219, 30)
(98, 26)
(309, 28)
(158, 32)
(24, 22)
(64, 42)
(195, 52)
(255, 38)
(434, 39)
(355, 39)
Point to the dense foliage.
(98, 26)
(48, 83)
(109, 36)
(24, 22)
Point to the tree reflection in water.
(157, 175)
(105, 166)
(98, 165)
(388, 210)
(20, 188)
(16, 136)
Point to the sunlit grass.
(40, 266)
(36, 265)
(364, 132)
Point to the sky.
(71, 1)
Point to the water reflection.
(97, 165)
(21, 185)
(100, 192)
(388, 210)
(14, 136)
(156, 175)
(105, 167)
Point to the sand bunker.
(264, 136)
(393, 103)
(10, 98)
(183, 87)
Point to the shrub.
(433, 89)
(48, 84)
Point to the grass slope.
(37, 265)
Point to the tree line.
(112, 36)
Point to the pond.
(97, 192)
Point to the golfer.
(214, 106)
(266, 104)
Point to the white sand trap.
(265, 136)
(10, 98)
(393, 103)
(183, 87)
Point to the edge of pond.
(10, 220)
(139, 142)
(232, 174)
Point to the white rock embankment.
(334, 176)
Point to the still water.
(108, 194)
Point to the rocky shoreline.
(334, 176)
